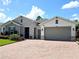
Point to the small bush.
(77, 39)
(20, 39)
(4, 37)
(14, 37)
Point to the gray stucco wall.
(26, 22)
(17, 28)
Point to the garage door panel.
(59, 33)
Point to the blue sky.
(10, 9)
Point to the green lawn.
(6, 41)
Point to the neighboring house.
(55, 28)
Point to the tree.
(77, 27)
(76, 20)
(38, 18)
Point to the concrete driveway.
(40, 49)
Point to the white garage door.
(58, 33)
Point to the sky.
(10, 9)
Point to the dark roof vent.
(56, 17)
(21, 16)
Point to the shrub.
(4, 37)
(14, 37)
(77, 39)
(1, 33)
(20, 39)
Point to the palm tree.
(38, 18)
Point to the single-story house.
(56, 28)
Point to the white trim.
(10, 22)
(16, 23)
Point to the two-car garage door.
(58, 33)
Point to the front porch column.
(2, 30)
(19, 30)
(73, 33)
(42, 32)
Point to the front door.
(39, 33)
(27, 32)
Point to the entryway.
(27, 32)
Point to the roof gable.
(66, 20)
(24, 17)
(11, 22)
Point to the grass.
(5, 42)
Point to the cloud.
(6, 2)
(2, 10)
(4, 18)
(72, 4)
(35, 11)
(7, 9)
(8, 18)
(75, 17)
(2, 15)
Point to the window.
(56, 22)
(35, 33)
(12, 28)
(21, 20)
(3, 28)
(73, 29)
(37, 24)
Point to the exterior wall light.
(42, 29)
